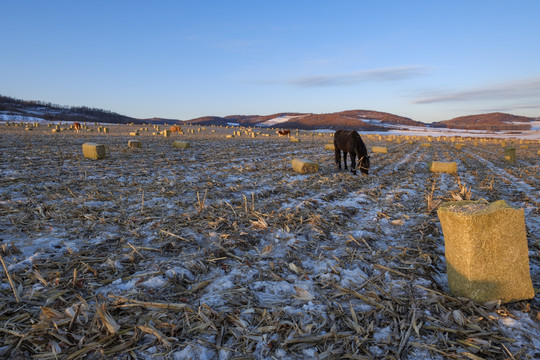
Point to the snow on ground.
(269, 263)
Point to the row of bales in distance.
(96, 150)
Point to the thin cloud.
(507, 91)
(376, 75)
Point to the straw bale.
(459, 146)
(304, 166)
(486, 250)
(510, 154)
(445, 167)
(93, 151)
(379, 150)
(166, 133)
(329, 147)
(134, 143)
(106, 130)
(181, 144)
(134, 133)
(293, 139)
(426, 145)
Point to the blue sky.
(427, 60)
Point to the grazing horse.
(283, 132)
(176, 128)
(350, 142)
(77, 127)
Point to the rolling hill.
(493, 121)
(12, 109)
(353, 119)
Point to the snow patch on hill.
(277, 120)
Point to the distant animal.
(76, 126)
(350, 142)
(283, 132)
(176, 128)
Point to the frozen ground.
(222, 251)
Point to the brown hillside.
(492, 121)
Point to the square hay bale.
(426, 144)
(510, 154)
(134, 143)
(55, 130)
(304, 166)
(329, 147)
(166, 133)
(295, 140)
(93, 151)
(444, 167)
(379, 150)
(486, 250)
(459, 146)
(134, 133)
(181, 144)
(106, 130)
(229, 136)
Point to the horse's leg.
(353, 163)
(345, 160)
(338, 157)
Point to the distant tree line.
(54, 112)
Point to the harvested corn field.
(222, 250)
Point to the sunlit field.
(221, 250)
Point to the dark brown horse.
(350, 142)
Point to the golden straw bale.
(486, 251)
(329, 147)
(181, 144)
(510, 154)
(379, 149)
(304, 166)
(93, 151)
(445, 167)
(134, 143)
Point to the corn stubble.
(232, 208)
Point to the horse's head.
(363, 164)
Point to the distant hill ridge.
(351, 119)
(492, 121)
(364, 120)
